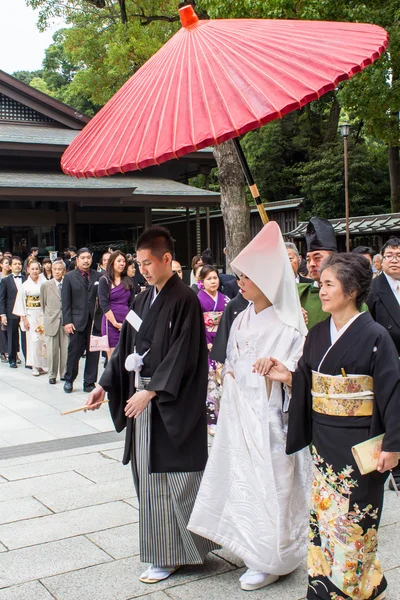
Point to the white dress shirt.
(395, 286)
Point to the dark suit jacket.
(8, 293)
(305, 279)
(79, 303)
(385, 308)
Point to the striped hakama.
(166, 502)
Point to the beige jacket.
(50, 300)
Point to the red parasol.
(215, 80)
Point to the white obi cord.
(134, 362)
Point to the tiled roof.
(366, 225)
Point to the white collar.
(335, 333)
(394, 283)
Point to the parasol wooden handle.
(250, 181)
(74, 410)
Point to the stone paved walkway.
(69, 518)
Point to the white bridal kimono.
(254, 499)
(27, 304)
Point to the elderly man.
(321, 242)
(56, 337)
(295, 260)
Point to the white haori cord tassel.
(134, 362)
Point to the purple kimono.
(212, 312)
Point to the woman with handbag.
(116, 295)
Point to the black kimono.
(333, 413)
(167, 443)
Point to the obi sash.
(334, 395)
(33, 302)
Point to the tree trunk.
(234, 207)
(394, 172)
(333, 122)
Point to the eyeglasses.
(392, 257)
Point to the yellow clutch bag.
(367, 454)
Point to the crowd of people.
(50, 311)
(292, 365)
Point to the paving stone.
(30, 435)
(291, 587)
(119, 580)
(3, 548)
(55, 465)
(67, 524)
(391, 509)
(132, 501)
(23, 508)
(115, 454)
(108, 472)
(230, 557)
(119, 542)
(393, 579)
(388, 537)
(92, 495)
(156, 596)
(33, 590)
(76, 451)
(36, 485)
(45, 560)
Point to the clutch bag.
(98, 343)
(367, 454)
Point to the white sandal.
(156, 574)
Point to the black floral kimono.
(332, 413)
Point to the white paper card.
(134, 320)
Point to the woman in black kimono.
(346, 390)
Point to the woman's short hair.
(46, 260)
(125, 279)
(196, 258)
(354, 273)
(206, 270)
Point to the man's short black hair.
(82, 251)
(34, 249)
(158, 240)
(364, 250)
(16, 258)
(393, 242)
(72, 249)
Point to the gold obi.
(338, 396)
(33, 302)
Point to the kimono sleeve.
(116, 379)
(185, 361)
(20, 305)
(386, 374)
(300, 424)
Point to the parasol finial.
(188, 16)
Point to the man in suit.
(56, 337)
(78, 299)
(384, 301)
(72, 258)
(8, 292)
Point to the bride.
(254, 499)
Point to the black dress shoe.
(13, 364)
(68, 387)
(88, 387)
(62, 378)
(28, 367)
(52, 381)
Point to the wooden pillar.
(198, 232)
(189, 244)
(147, 218)
(71, 224)
(208, 229)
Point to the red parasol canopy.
(215, 80)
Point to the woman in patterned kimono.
(27, 306)
(346, 390)
(213, 304)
